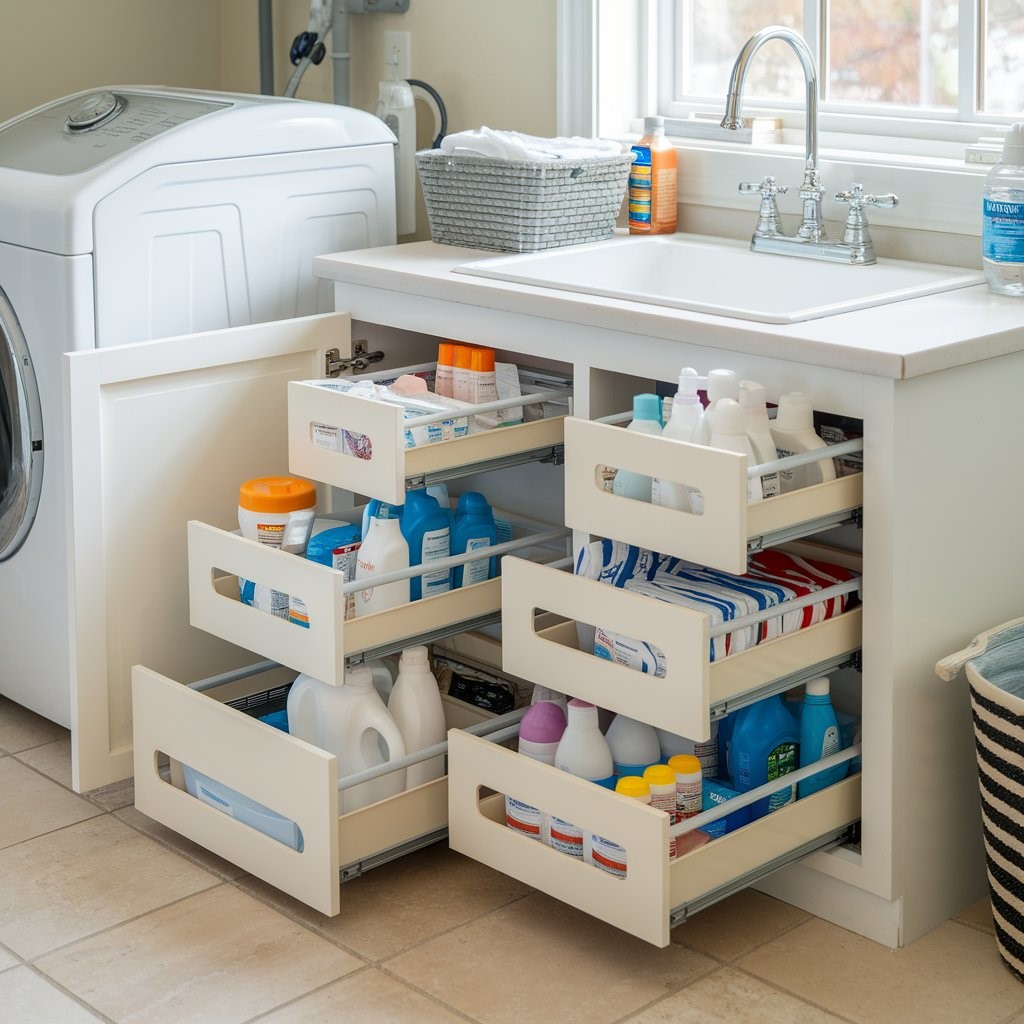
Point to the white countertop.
(897, 340)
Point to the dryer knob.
(94, 110)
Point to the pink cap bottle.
(540, 731)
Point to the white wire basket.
(521, 206)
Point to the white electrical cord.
(320, 21)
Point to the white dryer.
(135, 213)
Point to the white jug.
(416, 705)
(351, 722)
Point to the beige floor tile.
(738, 924)
(405, 902)
(978, 915)
(8, 959)
(31, 805)
(731, 997)
(540, 953)
(21, 728)
(219, 956)
(28, 999)
(953, 974)
(113, 797)
(52, 759)
(168, 837)
(370, 997)
(60, 887)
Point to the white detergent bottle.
(415, 704)
(793, 432)
(646, 420)
(634, 745)
(351, 722)
(706, 751)
(383, 550)
(758, 426)
(583, 752)
(685, 423)
(729, 432)
(721, 384)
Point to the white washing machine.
(129, 214)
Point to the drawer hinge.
(361, 358)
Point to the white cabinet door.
(160, 433)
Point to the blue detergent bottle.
(819, 736)
(765, 745)
(377, 509)
(474, 528)
(425, 526)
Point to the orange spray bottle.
(652, 182)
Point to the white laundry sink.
(722, 277)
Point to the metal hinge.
(361, 358)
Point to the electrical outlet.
(398, 54)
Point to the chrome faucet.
(810, 239)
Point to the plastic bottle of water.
(1002, 235)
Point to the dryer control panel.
(76, 134)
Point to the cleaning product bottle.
(540, 731)
(351, 722)
(689, 779)
(425, 526)
(662, 781)
(729, 432)
(375, 508)
(483, 385)
(383, 550)
(474, 528)
(725, 728)
(336, 545)
(721, 384)
(758, 427)
(546, 693)
(653, 182)
(445, 367)
(705, 751)
(415, 704)
(819, 736)
(583, 752)
(646, 420)
(605, 853)
(793, 432)
(462, 368)
(1002, 222)
(634, 745)
(685, 423)
(765, 745)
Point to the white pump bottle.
(686, 423)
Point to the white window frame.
(605, 87)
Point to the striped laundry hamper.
(994, 663)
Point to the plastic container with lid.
(277, 511)
(646, 420)
(443, 382)
(604, 853)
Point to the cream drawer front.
(317, 413)
(290, 777)
(680, 701)
(320, 650)
(719, 537)
(643, 901)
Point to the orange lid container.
(276, 494)
(445, 353)
(482, 360)
(463, 357)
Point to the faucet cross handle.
(857, 199)
(769, 222)
(857, 234)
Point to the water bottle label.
(1002, 236)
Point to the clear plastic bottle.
(1002, 235)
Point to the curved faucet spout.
(739, 74)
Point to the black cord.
(441, 109)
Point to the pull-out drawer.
(318, 420)
(655, 892)
(321, 648)
(682, 700)
(721, 536)
(286, 777)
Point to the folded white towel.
(504, 145)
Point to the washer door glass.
(21, 434)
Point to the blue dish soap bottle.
(425, 526)
(819, 736)
(474, 528)
(765, 745)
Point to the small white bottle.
(793, 432)
(662, 781)
(634, 745)
(685, 423)
(1002, 223)
(689, 785)
(646, 420)
(383, 550)
(729, 432)
(758, 427)
(415, 704)
(721, 384)
(605, 853)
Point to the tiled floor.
(107, 916)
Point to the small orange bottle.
(652, 182)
